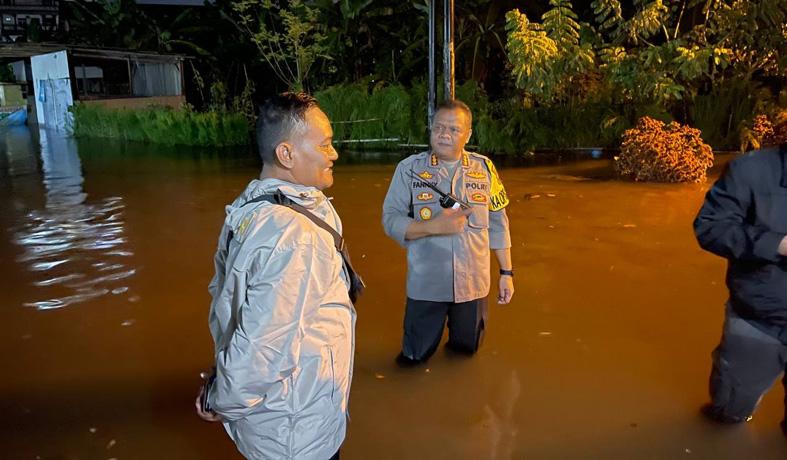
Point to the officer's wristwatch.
(507, 272)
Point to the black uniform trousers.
(745, 365)
(424, 322)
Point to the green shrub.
(161, 125)
(721, 115)
(506, 126)
(359, 112)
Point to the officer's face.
(313, 152)
(450, 133)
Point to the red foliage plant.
(769, 133)
(655, 152)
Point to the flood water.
(604, 352)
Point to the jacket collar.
(306, 196)
(434, 161)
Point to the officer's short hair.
(281, 118)
(456, 104)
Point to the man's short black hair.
(456, 104)
(281, 117)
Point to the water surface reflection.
(75, 246)
(602, 354)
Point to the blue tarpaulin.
(16, 118)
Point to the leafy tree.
(664, 52)
(479, 30)
(549, 59)
(289, 36)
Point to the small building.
(59, 75)
(18, 16)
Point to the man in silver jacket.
(448, 245)
(281, 316)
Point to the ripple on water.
(78, 251)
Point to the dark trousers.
(424, 322)
(335, 456)
(745, 365)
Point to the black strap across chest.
(356, 283)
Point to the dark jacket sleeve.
(724, 224)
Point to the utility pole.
(432, 96)
(448, 55)
(448, 49)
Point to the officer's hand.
(783, 247)
(505, 289)
(209, 416)
(450, 221)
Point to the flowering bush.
(653, 151)
(767, 133)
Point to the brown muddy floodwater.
(604, 353)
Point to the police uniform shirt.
(447, 268)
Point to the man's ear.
(284, 155)
(469, 135)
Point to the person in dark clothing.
(744, 219)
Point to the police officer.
(448, 260)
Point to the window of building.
(101, 78)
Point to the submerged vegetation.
(161, 125)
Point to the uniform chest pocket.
(479, 218)
(425, 204)
(477, 194)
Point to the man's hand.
(505, 289)
(209, 416)
(450, 221)
(783, 247)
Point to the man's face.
(313, 152)
(450, 133)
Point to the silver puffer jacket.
(283, 326)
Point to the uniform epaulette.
(478, 156)
(415, 157)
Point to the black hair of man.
(456, 104)
(281, 117)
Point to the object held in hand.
(209, 380)
(447, 200)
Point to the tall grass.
(722, 113)
(161, 125)
(361, 111)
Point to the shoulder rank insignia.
(425, 196)
(498, 199)
(465, 160)
(433, 160)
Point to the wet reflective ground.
(604, 353)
